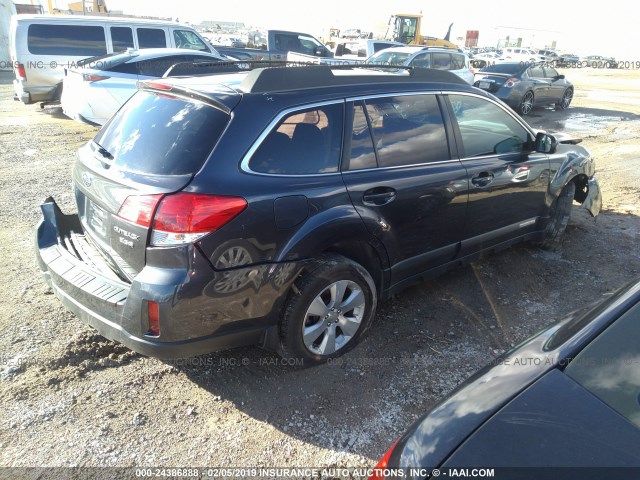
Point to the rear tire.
(560, 214)
(526, 104)
(328, 312)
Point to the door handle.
(482, 179)
(378, 196)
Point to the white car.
(518, 54)
(438, 58)
(95, 89)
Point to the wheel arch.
(341, 231)
(366, 255)
(582, 187)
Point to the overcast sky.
(612, 29)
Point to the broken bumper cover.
(118, 310)
(593, 202)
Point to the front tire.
(329, 311)
(565, 101)
(560, 214)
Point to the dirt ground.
(71, 398)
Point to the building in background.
(88, 7)
(471, 40)
(525, 37)
(33, 7)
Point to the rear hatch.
(152, 147)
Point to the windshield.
(388, 58)
(161, 134)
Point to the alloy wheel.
(333, 317)
(527, 103)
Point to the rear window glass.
(162, 134)
(511, 68)
(71, 40)
(304, 142)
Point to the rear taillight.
(92, 77)
(139, 209)
(511, 82)
(186, 217)
(381, 469)
(20, 71)
(182, 217)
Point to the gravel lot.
(71, 398)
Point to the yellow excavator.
(405, 28)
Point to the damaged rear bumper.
(191, 323)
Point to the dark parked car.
(569, 397)
(598, 61)
(523, 86)
(276, 207)
(567, 60)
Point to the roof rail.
(262, 80)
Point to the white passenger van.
(42, 46)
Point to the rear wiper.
(103, 151)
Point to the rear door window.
(536, 72)
(362, 154)
(162, 134)
(70, 40)
(151, 38)
(304, 142)
(422, 60)
(550, 72)
(407, 130)
(457, 62)
(441, 61)
(121, 38)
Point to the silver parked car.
(95, 89)
(438, 58)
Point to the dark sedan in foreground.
(568, 398)
(523, 85)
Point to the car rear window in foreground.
(510, 68)
(609, 367)
(161, 134)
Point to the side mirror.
(545, 143)
(559, 77)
